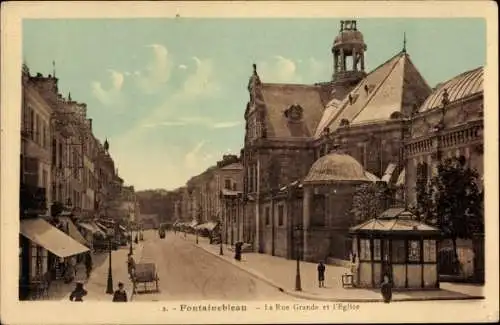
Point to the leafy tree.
(424, 210)
(457, 204)
(369, 201)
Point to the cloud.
(157, 72)
(202, 82)
(192, 158)
(195, 121)
(197, 86)
(225, 125)
(183, 66)
(279, 70)
(111, 95)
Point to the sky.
(169, 94)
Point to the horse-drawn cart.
(145, 273)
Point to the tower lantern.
(348, 52)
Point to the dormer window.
(396, 115)
(294, 113)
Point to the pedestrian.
(120, 295)
(131, 265)
(386, 289)
(321, 274)
(78, 293)
(237, 251)
(88, 264)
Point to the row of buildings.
(308, 147)
(207, 198)
(67, 175)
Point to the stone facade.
(59, 152)
(374, 117)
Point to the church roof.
(278, 98)
(336, 167)
(392, 87)
(464, 85)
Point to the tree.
(424, 210)
(369, 201)
(457, 202)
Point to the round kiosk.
(398, 245)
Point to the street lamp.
(298, 232)
(221, 252)
(130, 229)
(109, 287)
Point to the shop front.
(43, 250)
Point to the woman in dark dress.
(321, 274)
(386, 289)
(78, 293)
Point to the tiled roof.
(461, 86)
(279, 97)
(336, 167)
(391, 87)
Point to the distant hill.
(157, 201)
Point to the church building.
(308, 147)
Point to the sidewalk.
(280, 273)
(97, 282)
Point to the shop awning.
(102, 227)
(44, 234)
(89, 227)
(73, 231)
(210, 226)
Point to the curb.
(316, 298)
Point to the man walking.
(321, 274)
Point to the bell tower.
(348, 53)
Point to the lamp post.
(298, 232)
(221, 252)
(109, 287)
(130, 229)
(196, 236)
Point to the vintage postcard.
(249, 162)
